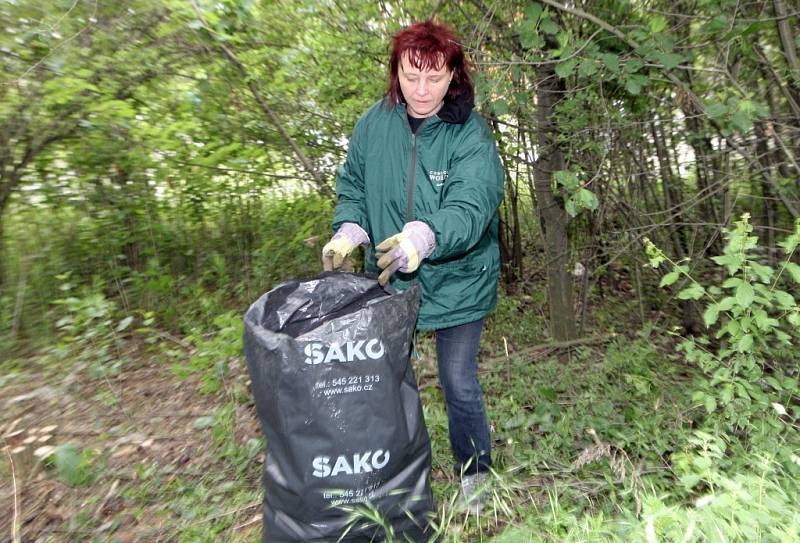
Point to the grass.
(544, 414)
(605, 444)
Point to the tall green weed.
(187, 268)
(752, 320)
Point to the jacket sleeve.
(472, 193)
(350, 204)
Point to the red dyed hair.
(430, 45)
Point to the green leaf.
(745, 323)
(633, 66)
(548, 393)
(784, 299)
(669, 279)
(500, 107)
(731, 262)
(716, 110)
(732, 329)
(763, 272)
(658, 24)
(710, 404)
(760, 318)
(548, 26)
(692, 292)
(588, 199)
(718, 24)
(587, 68)
(634, 83)
(515, 422)
(633, 86)
(783, 337)
(732, 282)
(124, 323)
(726, 304)
(745, 344)
(711, 315)
(768, 324)
(669, 60)
(744, 294)
(689, 480)
(611, 62)
(794, 271)
(742, 120)
(533, 11)
(568, 179)
(726, 394)
(564, 69)
(565, 47)
(753, 28)
(73, 465)
(530, 39)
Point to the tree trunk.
(510, 232)
(552, 216)
(788, 48)
(3, 259)
(9, 179)
(671, 197)
(690, 312)
(769, 209)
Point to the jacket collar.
(454, 111)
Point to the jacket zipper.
(412, 171)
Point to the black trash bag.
(338, 403)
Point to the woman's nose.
(422, 88)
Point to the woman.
(423, 178)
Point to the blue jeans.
(457, 355)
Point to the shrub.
(751, 320)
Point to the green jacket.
(456, 187)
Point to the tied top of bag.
(298, 307)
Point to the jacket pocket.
(462, 285)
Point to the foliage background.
(164, 163)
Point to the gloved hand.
(348, 237)
(405, 251)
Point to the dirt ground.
(143, 418)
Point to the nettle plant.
(751, 320)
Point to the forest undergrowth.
(164, 163)
(136, 397)
(156, 439)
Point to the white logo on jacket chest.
(438, 176)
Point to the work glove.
(348, 237)
(405, 251)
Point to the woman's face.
(424, 90)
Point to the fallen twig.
(226, 513)
(15, 521)
(178, 341)
(554, 346)
(253, 520)
(110, 494)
